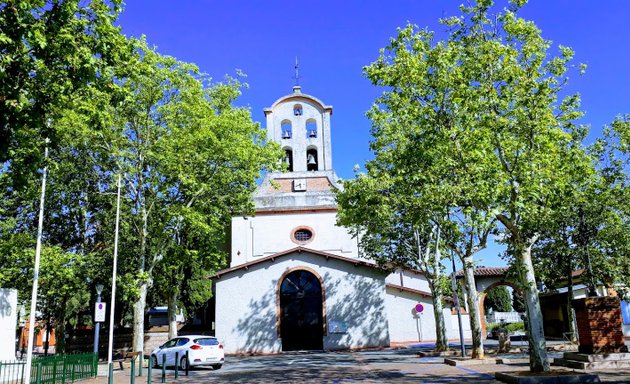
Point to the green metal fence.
(51, 369)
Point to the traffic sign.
(419, 308)
(99, 312)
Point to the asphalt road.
(381, 366)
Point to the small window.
(297, 110)
(302, 235)
(170, 343)
(182, 341)
(207, 341)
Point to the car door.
(165, 351)
(180, 349)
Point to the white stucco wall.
(453, 328)
(264, 235)
(409, 279)
(8, 321)
(246, 309)
(405, 324)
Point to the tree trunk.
(535, 332)
(172, 314)
(570, 313)
(441, 338)
(138, 319)
(60, 335)
(473, 308)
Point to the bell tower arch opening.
(288, 158)
(311, 129)
(312, 163)
(287, 131)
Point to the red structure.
(599, 325)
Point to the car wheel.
(217, 366)
(154, 361)
(183, 363)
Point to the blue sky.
(334, 40)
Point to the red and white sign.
(99, 312)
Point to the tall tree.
(499, 128)
(50, 50)
(189, 160)
(395, 233)
(499, 299)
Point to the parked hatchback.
(202, 350)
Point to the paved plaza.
(382, 366)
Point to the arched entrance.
(482, 297)
(301, 312)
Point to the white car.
(202, 350)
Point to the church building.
(296, 280)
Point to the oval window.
(302, 235)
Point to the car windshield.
(207, 341)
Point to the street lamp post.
(38, 251)
(97, 327)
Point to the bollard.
(110, 377)
(187, 363)
(164, 368)
(176, 365)
(149, 370)
(133, 370)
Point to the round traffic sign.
(419, 308)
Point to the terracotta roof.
(275, 256)
(486, 271)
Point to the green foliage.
(50, 52)
(518, 301)
(499, 299)
(514, 327)
(189, 158)
(475, 128)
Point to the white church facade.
(296, 280)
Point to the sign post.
(419, 308)
(99, 316)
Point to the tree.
(499, 299)
(50, 51)
(170, 113)
(503, 133)
(393, 232)
(412, 127)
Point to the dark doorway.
(301, 318)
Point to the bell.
(287, 161)
(310, 159)
(286, 135)
(312, 133)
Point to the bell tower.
(300, 123)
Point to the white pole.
(38, 251)
(113, 301)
